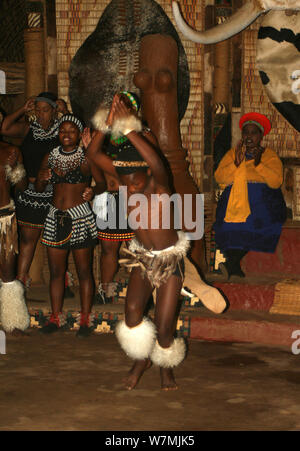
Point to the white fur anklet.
(99, 120)
(137, 342)
(171, 356)
(126, 125)
(13, 310)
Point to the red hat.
(258, 119)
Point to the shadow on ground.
(60, 382)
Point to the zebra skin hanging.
(278, 57)
(278, 62)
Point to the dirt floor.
(60, 382)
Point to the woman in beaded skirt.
(39, 137)
(70, 223)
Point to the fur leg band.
(13, 310)
(137, 342)
(171, 356)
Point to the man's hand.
(121, 110)
(110, 118)
(257, 153)
(239, 153)
(88, 194)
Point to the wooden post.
(14, 78)
(34, 61)
(35, 83)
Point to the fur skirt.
(8, 230)
(158, 266)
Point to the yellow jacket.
(269, 171)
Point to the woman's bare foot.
(136, 372)
(167, 379)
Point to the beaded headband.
(255, 123)
(45, 99)
(131, 98)
(130, 164)
(71, 118)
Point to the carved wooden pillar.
(157, 81)
(34, 55)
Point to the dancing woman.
(70, 223)
(39, 137)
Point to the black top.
(35, 147)
(72, 175)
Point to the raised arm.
(144, 147)
(15, 124)
(95, 154)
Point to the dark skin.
(67, 195)
(250, 143)
(154, 181)
(16, 125)
(9, 155)
(110, 249)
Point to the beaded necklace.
(66, 161)
(40, 133)
(117, 141)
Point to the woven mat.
(287, 298)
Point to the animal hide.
(107, 60)
(278, 62)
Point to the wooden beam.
(12, 77)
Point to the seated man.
(251, 209)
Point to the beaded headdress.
(71, 118)
(47, 97)
(129, 160)
(133, 99)
(258, 119)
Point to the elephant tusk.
(236, 23)
(240, 20)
